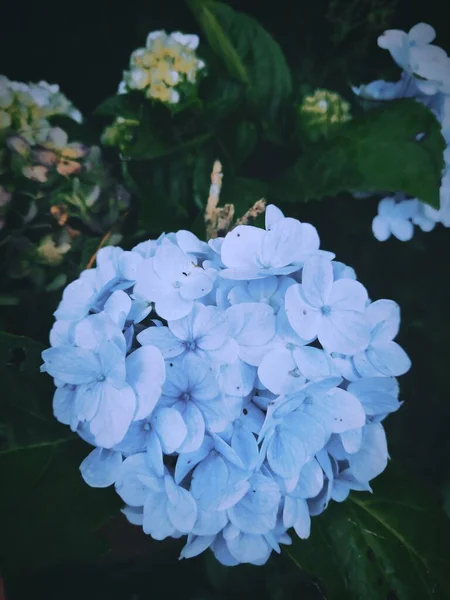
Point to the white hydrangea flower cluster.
(425, 77)
(25, 108)
(166, 63)
(231, 388)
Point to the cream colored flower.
(167, 61)
(321, 111)
(50, 253)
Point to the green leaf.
(209, 20)
(249, 53)
(394, 544)
(48, 514)
(128, 106)
(26, 404)
(375, 153)
(163, 187)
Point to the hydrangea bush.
(426, 78)
(52, 185)
(227, 381)
(232, 388)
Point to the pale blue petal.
(338, 411)
(161, 337)
(146, 373)
(101, 467)
(117, 307)
(135, 515)
(303, 317)
(128, 485)
(64, 404)
(155, 455)
(272, 215)
(280, 243)
(244, 444)
(227, 451)
(378, 395)
(237, 379)
(310, 481)
(170, 427)
(314, 363)
(241, 247)
(381, 229)
(371, 460)
(351, 440)
(257, 323)
(187, 461)
(317, 281)
(72, 365)
(302, 524)
(87, 400)
(312, 433)
(222, 554)
(388, 358)
(210, 481)
(286, 454)
(129, 263)
(347, 294)
(112, 359)
(156, 521)
(384, 320)
(210, 522)
(289, 511)
(170, 262)
(250, 522)
(135, 439)
(182, 508)
(195, 425)
(114, 415)
(196, 285)
(249, 548)
(61, 333)
(78, 298)
(344, 331)
(278, 372)
(196, 544)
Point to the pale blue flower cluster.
(425, 77)
(232, 388)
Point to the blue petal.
(101, 467)
(72, 365)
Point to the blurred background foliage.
(252, 114)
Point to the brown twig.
(257, 209)
(103, 241)
(219, 220)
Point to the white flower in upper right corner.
(394, 218)
(383, 357)
(415, 54)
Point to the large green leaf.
(26, 400)
(377, 153)
(394, 544)
(249, 53)
(47, 513)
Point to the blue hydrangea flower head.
(229, 390)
